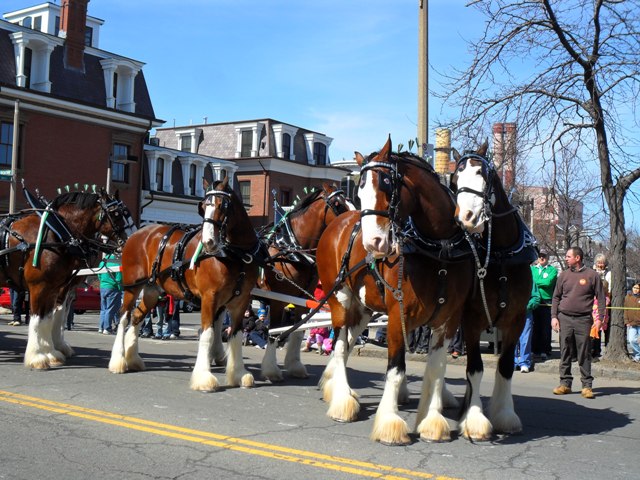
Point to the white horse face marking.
(213, 216)
(375, 229)
(471, 214)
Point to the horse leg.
(474, 425)
(237, 375)
(40, 353)
(117, 363)
(501, 409)
(217, 350)
(292, 363)
(269, 367)
(343, 403)
(430, 423)
(57, 332)
(201, 378)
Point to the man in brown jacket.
(632, 320)
(571, 315)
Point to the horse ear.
(225, 183)
(456, 155)
(359, 158)
(482, 151)
(200, 209)
(326, 187)
(117, 195)
(386, 150)
(205, 184)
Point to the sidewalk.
(551, 366)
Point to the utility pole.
(423, 77)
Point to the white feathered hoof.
(297, 370)
(390, 429)
(66, 350)
(243, 380)
(271, 373)
(38, 361)
(434, 428)
(204, 382)
(135, 363)
(506, 421)
(476, 428)
(117, 365)
(56, 358)
(344, 410)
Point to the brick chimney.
(73, 20)
(504, 152)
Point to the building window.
(26, 22)
(119, 167)
(247, 143)
(185, 143)
(56, 28)
(285, 198)
(320, 153)
(37, 23)
(286, 146)
(88, 36)
(192, 179)
(6, 143)
(159, 174)
(245, 191)
(28, 57)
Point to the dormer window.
(185, 143)
(317, 148)
(188, 139)
(284, 135)
(33, 58)
(249, 136)
(119, 81)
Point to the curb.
(551, 366)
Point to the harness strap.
(161, 247)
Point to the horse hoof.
(247, 381)
(210, 385)
(119, 366)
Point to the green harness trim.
(41, 230)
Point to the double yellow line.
(268, 450)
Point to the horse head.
(114, 220)
(335, 199)
(216, 209)
(472, 182)
(379, 197)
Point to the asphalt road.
(79, 421)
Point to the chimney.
(504, 153)
(443, 150)
(73, 20)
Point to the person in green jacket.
(110, 294)
(522, 360)
(545, 277)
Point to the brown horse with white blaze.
(390, 258)
(292, 248)
(505, 250)
(42, 251)
(165, 258)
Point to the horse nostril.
(468, 216)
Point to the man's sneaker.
(99, 330)
(173, 336)
(561, 390)
(524, 369)
(587, 393)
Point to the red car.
(87, 298)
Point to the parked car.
(87, 298)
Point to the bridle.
(389, 182)
(209, 199)
(111, 210)
(336, 202)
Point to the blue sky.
(347, 69)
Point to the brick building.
(82, 113)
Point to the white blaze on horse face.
(208, 233)
(375, 237)
(471, 205)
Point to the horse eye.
(387, 181)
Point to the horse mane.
(306, 202)
(407, 157)
(81, 199)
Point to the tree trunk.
(616, 350)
